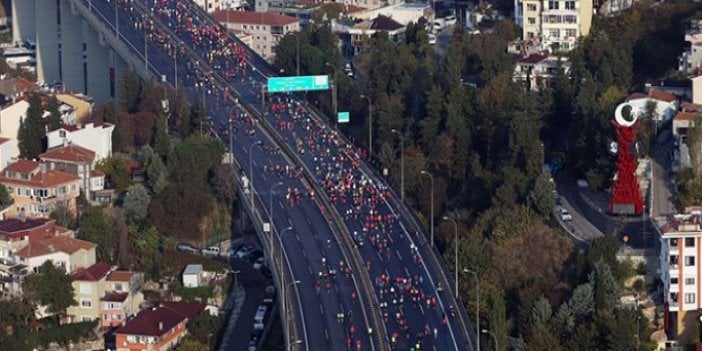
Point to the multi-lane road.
(176, 39)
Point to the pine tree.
(31, 131)
(54, 119)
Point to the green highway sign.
(297, 83)
(343, 117)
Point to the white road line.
(380, 257)
(326, 334)
(281, 205)
(321, 309)
(398, 254)
(309, 268)
(297, 236)
(304, 253)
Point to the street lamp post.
(494, 338)
(370, 126)
(251, 178)
(236, 276)
(285, 313)
(297, 37)
(280, 242)
(477, 308)
(431, 230)
(402, 163)
(455, 244)
(270, 211)
(334, 92)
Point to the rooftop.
(48, 179)
(120, 276)
(22, 166)
(93, 273)
(53, 244)
(193, 269)
(159, 320)
(654, 94)
(69, 153)
(265, 18)
(683, 223)
(14, 225)
(84, 124)
(687, 116)
(114, 296)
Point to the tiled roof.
(120, 276)
(159, 320)
(22, 166)
(385, 23)
(69, 153)
(114, 296)
(3, 140)
(14, 225)
(687, 106)
(93, 273)
(636, 96)
(687, 116)
(247, 17)
(654, 94)
(97, 173)
(53, 244)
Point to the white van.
(259, 317)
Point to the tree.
(129, 91)
(160, 140)
(179, 210)
(156, 175)
(5, 198)
(204, 326)
(136, 203)
(30, 135)
(54, 120)
(97, 227)
(694, 137)
(541, 196)
(63, 216)
(222, 183)
(51, 287)
(115, 168)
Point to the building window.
(61, 190)
(531, 20)
(118, 286)
(689, 242)
(570, 5)
(86, 303)
(673, 260)
(570, 19)
(554, 33)
(674, 297)
(689, 261)
(85, 288)
(105, 317)
(87, 319)
(571, 33)
(690, 281)
(689, 298)
(62, 134)
(531, 7)
(673, 280)
(553, 5)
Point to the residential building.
(121, 298)
(10, 117)
(157, 329)
(37, 191)
(266, 28)
(7, 149)
(90, 134)
(691, 58)
(554, 24)
(78, 161)
(354, 36)
(402, 13)
(682, 121)
(89, 285)
(74, 107)
(65, 252)
(16, 233)
(538, 70)
(666, 104)
(681, 244)
(300, 9)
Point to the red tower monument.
(626, 194)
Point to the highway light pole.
(251, 181)
(297, 38)
(494, 338)
(270, 211)
(455, 244)
(370, 126)
(236, 276)
(285, 312)
(402, 163)
(334, 92)
(477, 307)
(431, 230)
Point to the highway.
(175, 39)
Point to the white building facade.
(95, 136)
(553, 23)
(691, 58)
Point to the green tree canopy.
(51, 287)
(136, 203)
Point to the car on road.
(563, 213)
(186, 248)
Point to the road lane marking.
(304, 253)
(321, 309)
(326, 334)
(398, 254)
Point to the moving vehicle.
(260, 317)
(186, 248)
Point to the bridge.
(350, 260)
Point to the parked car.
(244, 251)
(210, 251)
(186, 248)
(432, 39)
(259, 263)
(565, 216)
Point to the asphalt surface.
(155, 31)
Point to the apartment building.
(265, 28)
(691, 58)
(78, 161)
(554, 24)
(681, 246)
(93, 135)
(157, 329)
(121, 298)
(536, 71)
(38, 191)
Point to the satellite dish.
(625, 115)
